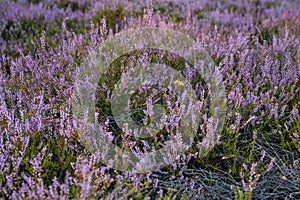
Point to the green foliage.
(238, 194)
(113, 16)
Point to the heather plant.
(255, 44)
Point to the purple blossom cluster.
(254, 43)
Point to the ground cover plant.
(256, 46)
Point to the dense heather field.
(254, 44)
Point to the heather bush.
(255, 44)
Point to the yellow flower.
(179, 83)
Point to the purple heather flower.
(270, 166)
